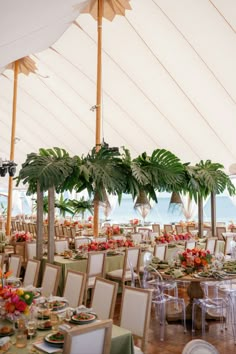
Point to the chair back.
(61, 246)
(137, 321)
(31, 272)
(190, 244)
(211, 244)
(80, 240)
(104, 298)
(156, 228)
(190, 228)
(167, 229)
(93, 338)
(96, 264)
(179, 229)
(30, 250)
(160, 251)
(2, 259)
(131, 259)
(227, 249)
(74, 287)
(50, 279)
(15, 265)
(137, 238)
(117, 237)
(219, 231)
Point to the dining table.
(113, 262)
(121, 341)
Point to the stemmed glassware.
(31, 328)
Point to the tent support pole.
(51, 212)
(98, 106)
(39, 238)
(12, 151)
(200, 216)
(213, 214)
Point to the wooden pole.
(98, 106)
(39, 237)
(200, 216)
(12, 151)
(213, 214)
(51, 212)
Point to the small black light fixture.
(106, 146)
(7, 166)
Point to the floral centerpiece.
(15, 302)
(113, 230)
(195, 259)
(22, 236)
(108, 245)
(167, 238)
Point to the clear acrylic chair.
(161, 299)
(209, 305)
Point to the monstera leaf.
(50, 167)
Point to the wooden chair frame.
(114, 295)
(92, 275)
(83, 275)
(156, 228)
(35, 282)
(209, 239)
(161, 245)
(58, 268)
(167, 228)
(19, 264)
(219, 231)
(107, 324)
(147, 312)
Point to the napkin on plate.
(83, 308)
(47, 348)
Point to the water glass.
(21, 339)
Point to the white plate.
(199, 346)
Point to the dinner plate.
(78, 320)
(10, 333)
(42, 328)
(49, 338)
(57, 305)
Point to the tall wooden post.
(51, 213)
(213, 214)
(39, 238)
(98, 106)
(200, 216)
(12, 151)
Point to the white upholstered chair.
(50, 280)
(15, 265)
(135, 312)
(160, 251)
(104, 298)
(156, 228)
(95, 267)
(81, 240)
(130, 270)
(31, 272)
(94, 338)
(74, 287)
(30, 250)
(211, 244)
(190, 244)
(61, 246)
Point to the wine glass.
(31, 327)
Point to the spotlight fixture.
(106, 146)
(7, 166)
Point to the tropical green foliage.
(112, 172)
(206, 177)
(81, 206)
(49, 168)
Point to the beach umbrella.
(21, 66)
(99, 9)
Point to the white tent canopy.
(169, 78)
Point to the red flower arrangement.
(195, 258)
(22, 236)
(110, 244)
(167, 238)
(113, 230)
(134, 221)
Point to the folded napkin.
(83, 308)
(47, 348)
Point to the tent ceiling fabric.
(169, 78)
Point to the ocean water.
(160, 213)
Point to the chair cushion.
(118, 274)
